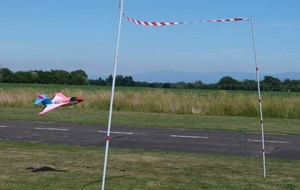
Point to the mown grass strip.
(74, 167)
(158, 120)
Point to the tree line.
(79, 77)
(269, 83)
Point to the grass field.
(81, 168)
(197, 102)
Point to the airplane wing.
(60, 97)
(50, 107)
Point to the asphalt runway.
(175, 140)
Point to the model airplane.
(58, 101)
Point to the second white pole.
(112, 97)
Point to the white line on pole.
(51, 129)
(191, 137)
(116, 132)
(279, 142)
(259, 99)
(3, 126)
(112, 96)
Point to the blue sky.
(82, 34)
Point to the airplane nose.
(79, 99)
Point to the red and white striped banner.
(150, 23)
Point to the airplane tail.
(42, 98)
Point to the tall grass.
(218, 103)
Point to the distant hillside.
(212, 77)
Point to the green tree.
(155, 85)
(166, 85)
(291, 85)
(45, 77)
(119, 79)
(228, 83)
(249, 85)
(141, 84)
(127, 81)
(109, 80)
(198, 84)
(34, 76)
(99, 82)
(59, 77)
(271, 84)
(6, 75)
(78, 77)
(22, 77)
(180, 85)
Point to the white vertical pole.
(260, 103)
(112, 97)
